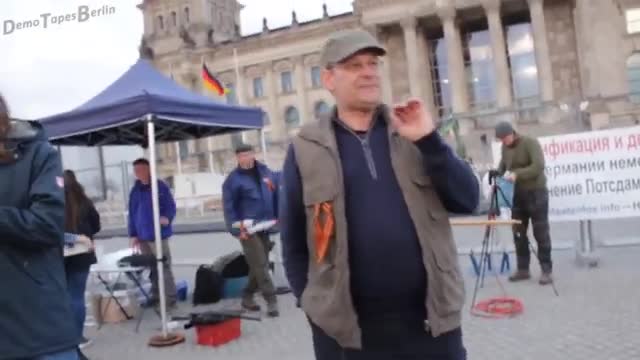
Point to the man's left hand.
(164, 220)
(412, 120)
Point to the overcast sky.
(44, 71)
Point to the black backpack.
(209, 286)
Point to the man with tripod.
(522, 163)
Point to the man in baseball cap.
(351, 74)
(356, 181)
(522, 163)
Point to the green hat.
(504, 129)
(344, 44)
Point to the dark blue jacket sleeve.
(168, 204)
(228, 206)
(41, 225)
(451, 176)
(293, 226)
(133, 205)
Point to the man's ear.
(328, 78)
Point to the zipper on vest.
(366, 148)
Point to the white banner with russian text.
(591, 175)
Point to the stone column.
(455, 58)
(301, 89)
(385, 76)
(425, 72)
(411, 51)
(542, 49)
(499, 48)
(278, 131)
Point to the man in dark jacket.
(522, 163)
(141, 228)
(367, 243)
(36, 320)
(250, 192)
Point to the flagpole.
(238, 88)
(210, 138)
(176, 145)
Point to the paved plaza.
(595, 317)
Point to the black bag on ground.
(209, 286)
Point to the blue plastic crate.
(233, 287)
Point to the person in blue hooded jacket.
(250, 192)
(141, 227)
(36, 320)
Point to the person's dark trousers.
(532, 206)
(256, 251)
(171, 296)
(63, 355)
(392, 340)
(76, 286)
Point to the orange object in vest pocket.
(323, 225)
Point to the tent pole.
(156, 221)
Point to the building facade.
(549, 66)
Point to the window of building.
(258, 89)
(236, 139)
(480, 70)
(321, 108)
(315, 77)
(440, 75)
(292, 117)
(160, 22)
(286, 82)
(632, 17)
(633, 76)
(183, 147)
(522, 61)
(231, 96)
(174, 19)
(186, 15)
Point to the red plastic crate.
(218, 334)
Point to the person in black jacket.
(82, 222)
(35, 315)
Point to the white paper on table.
(252, 227)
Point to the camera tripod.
(504, 306)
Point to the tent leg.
(156, 224)
(165, 339)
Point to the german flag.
(211, 82)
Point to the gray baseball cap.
(504, 129)
(343, 44)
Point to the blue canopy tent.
(143, 107)
(117, 115)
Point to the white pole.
(178, 157)
(156, 221)
(238, 87)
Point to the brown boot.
(520, 275)
(248, 303)
(545, 278)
